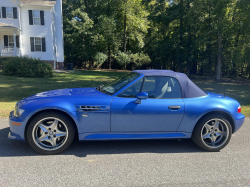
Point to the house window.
(11, 41)
(36, 17)
(9, 12)
(38, 44)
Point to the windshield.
(116, 85)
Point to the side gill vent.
(90, 108)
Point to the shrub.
(100, 58)
(123, 59)
(2, 60)
(27, 67)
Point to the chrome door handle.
(174, 107)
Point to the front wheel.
(212, 133)
(50, 133)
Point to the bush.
(27, 67)
(123, 59)
(2, 60)
(100, 58)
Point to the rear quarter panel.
(195, 108)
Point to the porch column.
(14, 37)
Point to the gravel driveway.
(127, 163)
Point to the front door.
(161, 112)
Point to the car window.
(162, 87)
(132, 90)
(119, 83)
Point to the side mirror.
(141, 96)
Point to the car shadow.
(13, 148)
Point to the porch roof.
(38, 2)
(5, 26)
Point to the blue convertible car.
(143, 104)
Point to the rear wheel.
(50, 133)
(212, 133)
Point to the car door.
(162, 111)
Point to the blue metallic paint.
(133, 136)
(124, 119)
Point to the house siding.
(9, 21)
(36, 31)
(52, 31)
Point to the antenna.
(224, 94)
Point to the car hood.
(69, 92)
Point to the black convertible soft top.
(189, 89)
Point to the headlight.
(18, 111)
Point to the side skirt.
(134, 136)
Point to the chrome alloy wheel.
(215, 133)
(50, 134)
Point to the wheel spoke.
(220, 133)
(207, 135)
(54, 125)
(53, 142)
(44, 137)
(213, 139)
(43, 127)
(208, 127)
(216, 124)
(60, 133)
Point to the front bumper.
(17, 132)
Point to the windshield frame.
(124, 87)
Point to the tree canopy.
(206, 37)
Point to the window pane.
(37, 21)
(36, 13)
(119, 83)
(11, 39)
(9, 15)
(162, 87)
(133, 90)
(11, 44)
(38, 41)
(38, 47)
(9, 10)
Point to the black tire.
(199, 129)
(63, 120)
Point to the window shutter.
(32, 44)
(6, 42)
(43, 45)
(15, 13)
(17, 42)
(30, 17)
(4, 12)
(42, 17)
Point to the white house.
(33, 28)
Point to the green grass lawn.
(13, 89)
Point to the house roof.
(189, 89)
(3, 25)
(38, 2)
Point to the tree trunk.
(124, 33)
(109, 56)
(181, 38)
(209, 45)
(218, 68)
(188, 48)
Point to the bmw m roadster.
(143, 104)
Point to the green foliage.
(100, 58)
(27, 67)
(2, 61)
(182, 35)
(123, 59)
(140, 59)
